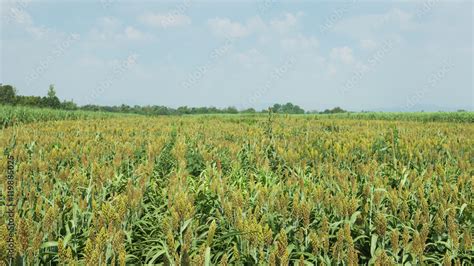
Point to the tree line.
(9, 96)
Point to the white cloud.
(106, 28)
(16, 14)
(332, 70)
(256, 24)
(228, 28)
(110, 28)
(378, 26)
(396, 17)
(343, 54)
(368, 44)
(250, 59)
(164, 20)
(225, 27)
(109, 23)
(300, 42)
(133, 34)
(19, 15)
(289, 22)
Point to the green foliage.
(195, 164)
(51, 91)
(15, 115)
(166, 161)
(52, 100)
(7, 94)
(283, 189)
(287, 108)
(249, 111)
(462, 117)
(335, 110)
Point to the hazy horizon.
(359, 55)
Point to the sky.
(360, 55)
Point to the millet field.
(241, 190)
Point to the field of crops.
(242, 190)
(467, 117)
(14, 115)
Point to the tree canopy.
(9, 96)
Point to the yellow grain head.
(338, 246)
(352, 256)
(301, 261)
(23, 234)
(394, 240)
(324, 234)
(236, 253)
(211, 232)
(315, 243)
(417, 245)
(306, 212)
(447, 259)
(89, 254)
(380, 224)
(383, 259)
(467, 239)
(224, 260)
(61, 250)
(272, 257)
(3, 241)
(122, 257)
(406, 237)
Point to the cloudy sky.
(360, 55)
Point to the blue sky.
(361, 55)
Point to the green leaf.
(185, 225)
(373, 245)
(49, 244)
(207, 258)
(404, 179)
(66, 239)
(462, 209)
(158, 254)
(354, 217)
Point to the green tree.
(51, 91)
(231, 110)
(28, 100)
(287, 108)
(52, 100)
(249, 111)
(7, 94)
(68, 105)
(335, 110)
